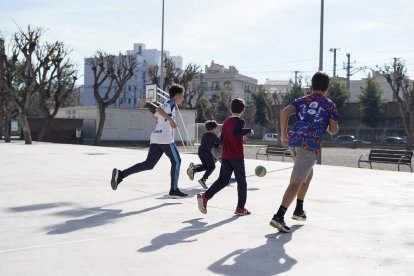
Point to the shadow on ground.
(267, 259)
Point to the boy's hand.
(285, 142)
(173, 124)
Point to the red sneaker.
(202, 203)
(242, 211)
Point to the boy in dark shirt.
(232, 134)
(208, 141)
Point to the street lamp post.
(162, 50)
(321, 40)
(319, 161)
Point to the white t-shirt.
(163, 133)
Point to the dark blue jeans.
(228, 166)
(154, 154)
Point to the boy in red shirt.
(232, 134)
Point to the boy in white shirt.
(161, 141)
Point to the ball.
(260, 171)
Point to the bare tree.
(58, 79)
(113, 72)
(403, 93)
(191, 88)
(20, 72)
(176, 75)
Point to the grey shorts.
(303, 162)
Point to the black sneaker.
(202, 182)
(279, 224)
(116, 179)
(299, 216)
(190, 171)
(177, 194)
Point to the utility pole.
(296, 77)
(348, 71)
(334, 65)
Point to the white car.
(270, 137)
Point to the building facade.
(216, 78)
(134, 90)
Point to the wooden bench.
(273, 150)
(399, 157)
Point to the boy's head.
(210, 125)
(320, 82)
(237, 106)
(176, 92)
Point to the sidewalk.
(59, 216)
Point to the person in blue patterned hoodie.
(315, 114)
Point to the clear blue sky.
(266, 39)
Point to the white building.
(356, 85)
(127, 124)
(134, 89)
(278, 86)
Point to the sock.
(299, 206)
(120, 176)
(281, 212)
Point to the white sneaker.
(190, 171)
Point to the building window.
(227, 85)
(110, 121)
(215, 86)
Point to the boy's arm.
(332, 127)
(239, 129)
(162, 112)
(284, 116)
(333, 122)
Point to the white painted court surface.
(59, 216)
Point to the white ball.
(260, 171)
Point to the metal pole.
(162, 50)
(319, 161)
(321, 40)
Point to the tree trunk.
(102, 117)
(45, 129)
(6, 129)
(25, 128)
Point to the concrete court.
(59, 216)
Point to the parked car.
(349, 140)
(270, 137)
(395, 141)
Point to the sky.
(263, 39)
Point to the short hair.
(210, 125)
(237, 105)
(320, 81)
(175, 89)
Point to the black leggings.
(208, 165)
(154, 154)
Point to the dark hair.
(210, 125)
(237, 105)
(320, 81)
(175, 89)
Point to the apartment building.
(217, 77)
